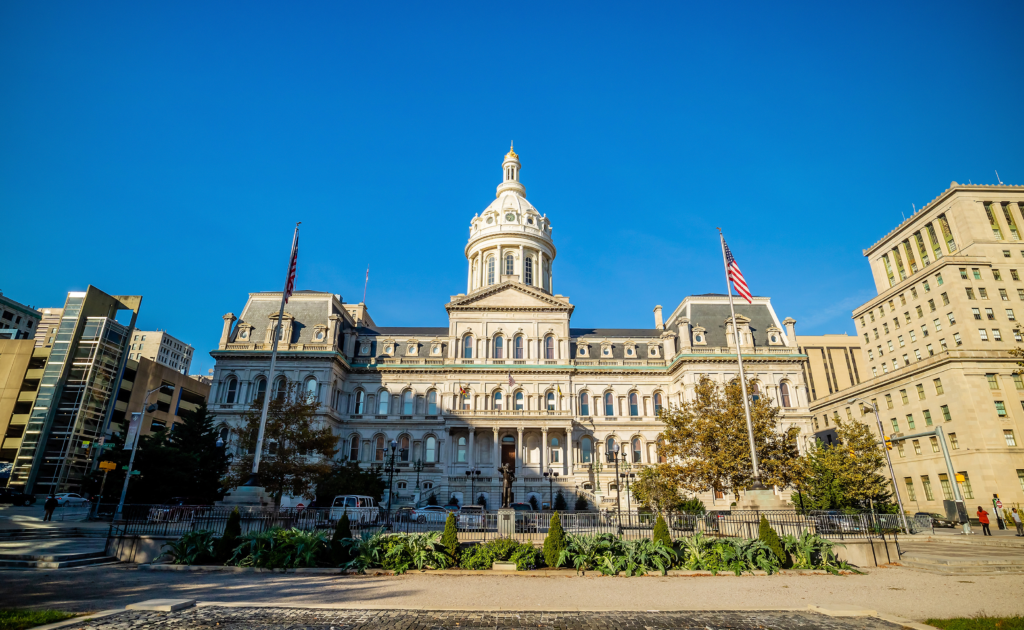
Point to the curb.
(481, 572)
(77, 620)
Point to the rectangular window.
(903, 301)
(942, 344)
(945, 413)
(913, 336)
(1020, 294)
(996, 335)
(885, 328)
(1014, 274)
(903, 396)
(993, 381)
(954, 444)
(976, 272)
(875, 330)
(952, 320)
(913, 292)
(931, 305)
(917, 447)
(910, 488)
(938, 279)
(899, 449)
(906, 361)
(871, 314)
(926, 484)
(919, 312)
(983, 334)
(937, 324)
(888, 401)
(910, 421)
(926, 287)
(982, 293)
(947, 490)
(900, 340)
(965, 486)
(874, 372)
(1018, 381)
(1000, 409)
(996, 275)
(871, 355)
(956, 339)
(989, 313)
(927, 418)
(963, 273)
(1008, 436)
(917, 354)
(889, 343)
(1020, 478)
(906, 316)
(895, 425)
(1009, 315)
(896, 323)
(970, 293)
(931, 352)
(976, 312)
(920, 392)
(935, 443)
(945, 299)
(1003, 296)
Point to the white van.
(361, 510)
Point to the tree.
(560, 503)
(656, 487)
(554, 542)
(350, 478)
(770, 537)
(706, 438)
(297, 447)
(450, 539)
(196, 437)
(432, 499)
(533, 503)
(339, 550)
(661, 532)
(224, 548)
(453, 501)
(843, 475)
(482, 501)
(581, 503)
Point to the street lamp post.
(598, 467)
(135, 443)
(888, 459)
(551, 475)
(418, 467)
(391, 477)
(471, 474)
(618, 496)
(629, 510)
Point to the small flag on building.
(289, 286)
(559, 388)
(511, 381)
(733, 272)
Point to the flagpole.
(254, 477)
(743, 379)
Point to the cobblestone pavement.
(258, 618)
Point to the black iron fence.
(152, 520)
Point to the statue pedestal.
(506, 522)
(762, 500)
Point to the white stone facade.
(509, 379)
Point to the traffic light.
(888, 442)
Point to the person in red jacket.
(983, 519)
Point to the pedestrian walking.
(983, 519)
(49, 507)
(1015, 515)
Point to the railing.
(148, 520)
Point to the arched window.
(360, 401)
(280, 388)
(510, 265)
(311, 389)
(586, 448)
(461, 451)
(549, 347)
(609, 448)
(755, 391)
(401, 485)
(430, 450)
(499, 348)
(555, 451)
(784, 394)
(528, 271)
(662, 458)
(467, 347)
(407, 408)
(518, 344)
(584, 404)
(497, 401)
(432, 403)
(403, 448)
(378, 449)
(657, 404)
(609, 404)
(551, 401)
(383, 399)
(490, 270)
(261, 388)
(427, 485)
(634, 408)
(232, 391)
(637, 451)
(519, 401)
(353, 453)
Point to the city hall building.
(509, 380)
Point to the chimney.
(790, 325)
(658, 323)
(225, 335)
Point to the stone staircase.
(55, 561)
(967, 556)
(39, 533)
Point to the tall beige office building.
(935, 344)
(158, 346)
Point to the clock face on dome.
(510, 217)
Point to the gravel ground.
(280, 618)
(895, 591)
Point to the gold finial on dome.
(511, 152)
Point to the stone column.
(500, 264)
(471, 455)
(522, 266)
(543, 449)
(520, 453)
(497, 452)
(469, 276)
(540, 268)
(567, 453)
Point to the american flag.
(511, 381)
(289, 286)
(733, 273)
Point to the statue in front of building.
(507, 478)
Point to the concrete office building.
(143, 375)
(77, 387)
(159, 346)
(17, 321)
(21, 368)
(46, 331)
(935, 342)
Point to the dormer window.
(699, 336)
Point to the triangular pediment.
(509, 296)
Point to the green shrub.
(811, 551)
(225, 546)
(533, 503)
(432, 499)
(661, 532)
(560, 503)
(341, 541)
(279, 548)
(483, 556)
(769, 537)
(693, 505)
(581, 503)
(450, 539)
(554, 542)
(422, 551)
(192, 548)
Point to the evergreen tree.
(581, 503)
(225, 546)
(661, 532)
(554, 542)
(533, 503)
(342, 531)
(450, 539)
(196, 437)
(560, 503)
(482, 501)
(770, 537)
(432, 499)
(843, 475)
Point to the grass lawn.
(14, 619)
(978, 623)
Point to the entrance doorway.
(508, 452)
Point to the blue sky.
(168, 150)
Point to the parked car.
(431, 514)
(361, 510)
(835, 522)
(404, 515)
(471, 517)
(522, 507)
(939, 520)
(70, 499)
(15, 497)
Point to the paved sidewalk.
(274, 618)
(894, 591)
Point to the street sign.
(108, 465)
(999, 504)
(134, 472)
(133, 430)
(299, 506)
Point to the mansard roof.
(713, 318)
(404, 331)
(615, 332)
